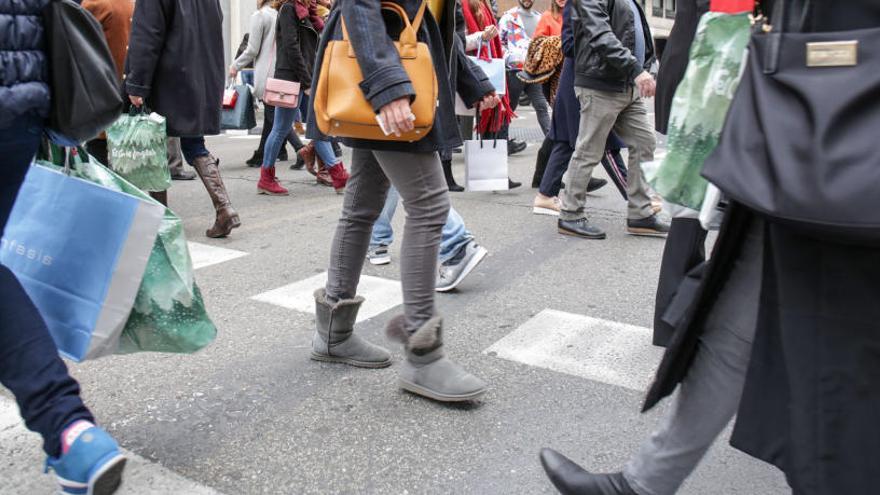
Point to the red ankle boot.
(340, 177)
(269, 184)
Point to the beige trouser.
(601, 112)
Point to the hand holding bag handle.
(342, 110)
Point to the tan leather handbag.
(341, 110)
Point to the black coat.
(175, 61)
(384, 77)
(675, 57)
(296, 45)
(812, 393)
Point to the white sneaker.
(546, 206)
(460, 266)
(379, 255)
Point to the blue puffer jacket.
(23, 68)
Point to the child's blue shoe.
(92, 466)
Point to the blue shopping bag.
(79, 250)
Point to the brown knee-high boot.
(227, 219)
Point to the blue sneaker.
(92, 466)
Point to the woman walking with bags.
(782, 331)
(414, 168)
(261, 40)
(175, 66)
(296, 38)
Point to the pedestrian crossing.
(204, 255)
(590, 348)
(595, 349)
(381, 295)
(599, 350)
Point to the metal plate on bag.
(833, 54)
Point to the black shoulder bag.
(801, 143)
(82, 76)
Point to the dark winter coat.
(675, 57)
(23, 67)
(604, 36)
(384, 77)
(296, 41)
(812, 391)
(175, 61)
(566, 109)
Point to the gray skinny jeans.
(709, 395)
(419, 179)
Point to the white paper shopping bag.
(485, 162)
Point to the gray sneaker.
(379, 255)
(452, 272)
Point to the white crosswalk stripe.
(380, 295)
(204, 255)
(23, 461)
(600, 350)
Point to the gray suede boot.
(427, 371)
(335, 341)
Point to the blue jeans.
(455, 235)
(29, 364)
(284, 118)
(247, 76)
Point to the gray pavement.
(252, 414)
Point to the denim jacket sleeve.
(385, 80)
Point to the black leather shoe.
(512, 184)
(596, 184)
(580, 228)
(256, 160)
(515, 146)
(571, 479)
(652, 226)
(299, 163)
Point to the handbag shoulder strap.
(410, 29)
(780, 25)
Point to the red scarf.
(310, 12)
(490, 120)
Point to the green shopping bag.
(169, 314)
(700, 106)
(138, 153)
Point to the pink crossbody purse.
(278, 92)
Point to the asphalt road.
(252, 414)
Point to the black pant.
(98, 149)
(29, 364)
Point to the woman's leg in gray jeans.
(419, 179)
(709, 395)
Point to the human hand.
(646, 84)
(490, 32)
(397, 116)
(137, 101)
(232, 71)
(489, 102)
